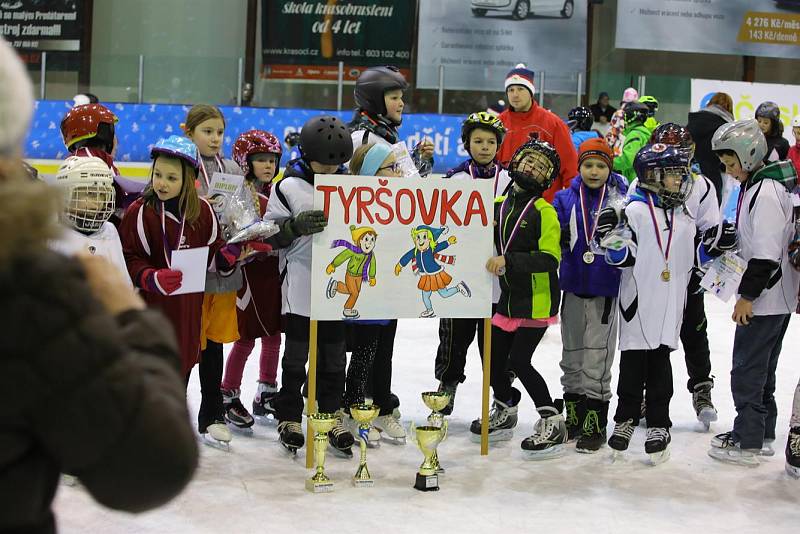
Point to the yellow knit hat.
(358, 232)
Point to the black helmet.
(673, 134)
(581, 118)
(636, 112)
(653, 162)
(770, 110)
(371, 86)
(520, 170)
(325, 139)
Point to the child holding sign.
(527, 236)
(169, 217)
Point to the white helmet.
(745, 139)
(796, 121)
(88, 187)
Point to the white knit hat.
(16, 99)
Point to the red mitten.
(163, 281)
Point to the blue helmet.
(652, 165)
(176, 146)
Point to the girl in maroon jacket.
(258, 302)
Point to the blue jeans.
(756, 348)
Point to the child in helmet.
(767, 294)
(325, 145)
(88, 187)
(527, 236)
(636, 136)
(258, 154)
(379, 96)
(768, 115)
(614, 136)
(170, 216)
(481, 134)
(580, 122)
(657, 260)
(205, 127)
(652, 106)
(794, 150)
(591, 286)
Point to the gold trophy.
(321, 423)
(436, 401)
(428, 438)
(364, 414)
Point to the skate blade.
(224, 446)
(588, 451)
(617, 457)
(719, 454)
(393, 441)
(242, 431)
(494, 437)
(658, 458)
(548, 454)
(265, 420)
(373, 444)
(289, 449)
(792, 471)
(346, 454)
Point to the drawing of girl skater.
(360, 260)
(425, 258)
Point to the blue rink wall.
(141, 125)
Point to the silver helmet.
(745, 139)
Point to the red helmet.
(87, 122)
(255, 142)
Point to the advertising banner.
(34, 26)
(737, 27)
(402, 248)
(307, 40)
(478, 42)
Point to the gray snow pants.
(589, 339)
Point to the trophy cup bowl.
(428, 438)
(364, 414)
(321, 424)
(436, 401)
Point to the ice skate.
(723, 440)
(350, 313)
(263, 403)
(396, 403)
(549, 434)
(593, 436)
(463, 288)
(217, 435)
(621, 438)
(373, 435)
(793, 453)
(390, 429)
(450, 389)
(657, 444)
(330, 292)
(575, 408)
(290, 434)
(340, 440)
(703, 407)
(427, 313)
(235, 414)
(502, 420)
(732, 453)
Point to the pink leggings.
(268, 363)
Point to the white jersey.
(701, 206)
(290, 197)
(770, 205)
(104, 242)
(502, 182)
(651, 309)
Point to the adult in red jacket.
(524, 116)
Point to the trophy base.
(363, 482)
(427, 482)
(319, 487)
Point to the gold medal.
(665, 276)
(588, 257)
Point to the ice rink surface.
(259, 487)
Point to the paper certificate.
(193, 263)
(724, 276)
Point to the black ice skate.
(502, 420)
(340, 439)
(575, 406)
(450, 388)
(793, 453)
(235, 414)
(264, 401)
(549, 434)
(216, 435)
(657, 444)
(703, 407)
(290, 434)
(593, 436)
(621, 438)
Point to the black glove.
(309, 222)
(565, 237)
(607, 220)
(727, 238)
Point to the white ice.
(258, 487)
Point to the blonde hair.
(357, 161)
(188, 200)
(199, 114)
(722, 100)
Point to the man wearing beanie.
(524, 116)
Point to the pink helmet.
(630, 94)
(255, 142)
